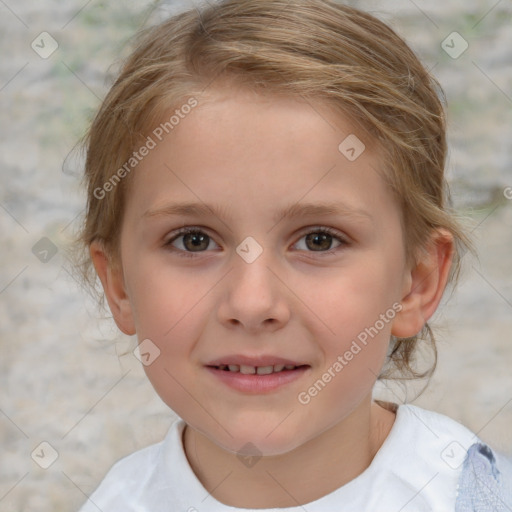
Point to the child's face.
(251, 158)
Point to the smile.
(262, 376)
(259, 370)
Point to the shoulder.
(133, 476)
(472, 475)
(425, 451)
(441, 438)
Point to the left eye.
(320, 240)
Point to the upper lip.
(264, 360)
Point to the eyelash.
(196, 230)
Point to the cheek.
(356, 312)
(169, 309)
(174, 327)
(354, 298)
(359, 312)
(162, 298)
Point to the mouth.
(257, 370)
(256, 375)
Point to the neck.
(278, 481)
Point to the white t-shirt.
(416, 469)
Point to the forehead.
(238, 148)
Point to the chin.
(255, 441)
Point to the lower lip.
(254, 383)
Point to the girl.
(267, 213)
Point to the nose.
(254, 297)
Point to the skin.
(253, 156)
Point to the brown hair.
(316, 49)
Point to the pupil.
(196, 241)
(322, 239)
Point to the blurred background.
(73, 398)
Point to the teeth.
(259, 370)
(264, 370)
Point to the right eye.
(189, 240)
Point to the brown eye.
(196, 241)
(319, 241)
(190, 241)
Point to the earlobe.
(425, 285)
(113, 284)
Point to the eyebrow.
(291, 211)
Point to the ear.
(424, 285)
(112, 279)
